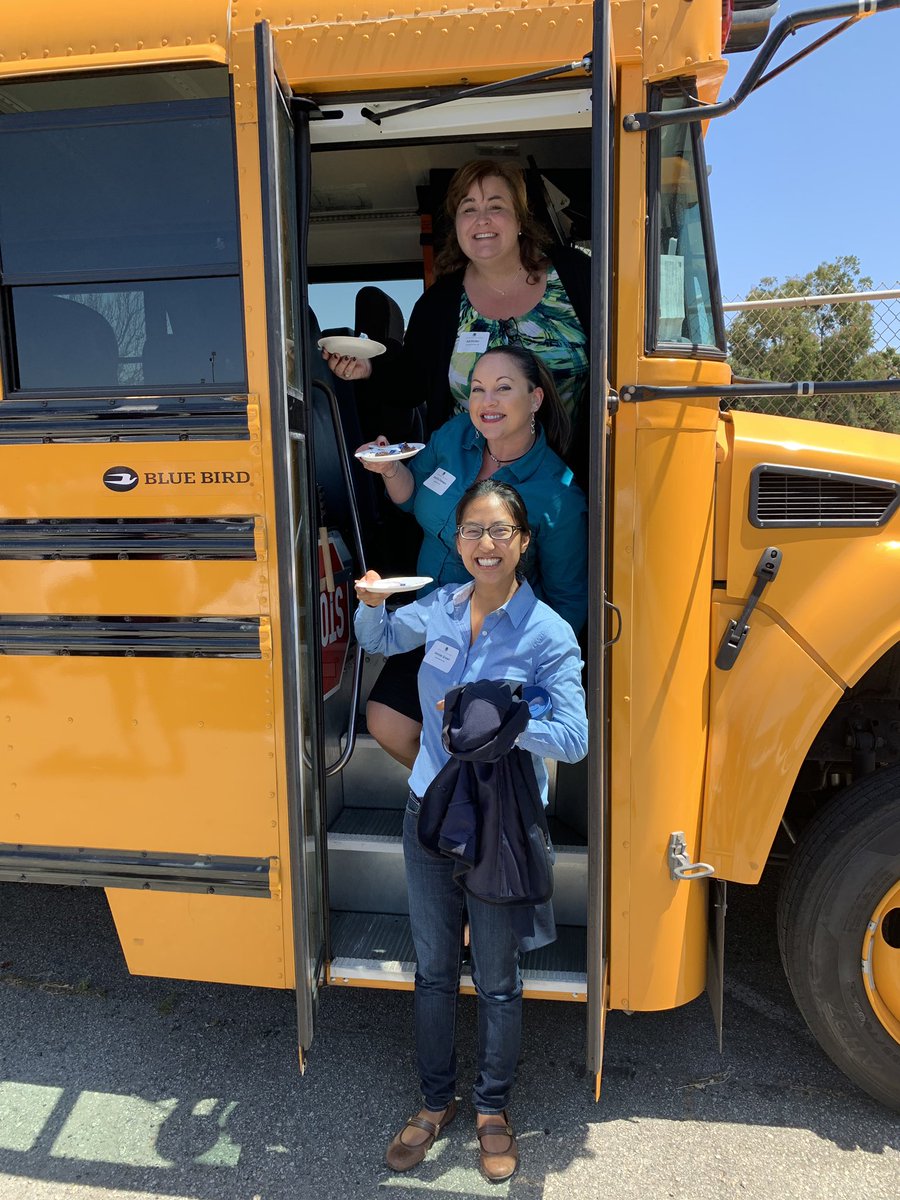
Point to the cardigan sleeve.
(574, 270)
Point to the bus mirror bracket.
(850, 13)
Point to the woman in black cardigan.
(496, 285)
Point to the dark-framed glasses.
(497, 533)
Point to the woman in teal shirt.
(515, 431)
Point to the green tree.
(825, 342)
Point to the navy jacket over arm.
(483, 808)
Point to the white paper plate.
(353, 346)
(399, 583)
(393, 452)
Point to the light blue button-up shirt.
(555, 562)
(524, 642)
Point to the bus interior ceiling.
(367, 204)
(366, 201)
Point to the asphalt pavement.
(115, 1087)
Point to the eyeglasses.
(497, 533)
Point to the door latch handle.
(680, 865)
(736, 634)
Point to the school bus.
(180, 522)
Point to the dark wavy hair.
(533, 240)
(552, 415)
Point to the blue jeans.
(437, 911)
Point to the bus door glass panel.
(687, 312)
(296, 527)
(119, 234)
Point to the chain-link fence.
(788, 338)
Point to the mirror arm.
(641, 122)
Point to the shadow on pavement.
(189, 1089)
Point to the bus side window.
(119, 217)
(684, 309)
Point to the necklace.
(501, 462)
(503, 291)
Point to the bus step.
(365, 867)
(375, 950)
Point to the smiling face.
(488, 560)
(487, 227)
(502, 401)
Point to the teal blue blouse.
(556, 560)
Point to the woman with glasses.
(491, 627)
(497, 284)
(514, 430)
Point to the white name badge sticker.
(442, 656)
(472, 343)
(440, 481)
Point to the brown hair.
(533, 239)
(552, 415)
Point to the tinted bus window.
(119, 241)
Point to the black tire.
(844, 864)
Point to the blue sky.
(808, 168)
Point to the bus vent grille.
(797, 497)
(128, 537)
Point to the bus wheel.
(839, 932)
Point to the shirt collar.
(517, 607)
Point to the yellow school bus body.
(162, 735)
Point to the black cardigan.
(417, 372)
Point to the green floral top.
(550, 330)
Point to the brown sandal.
(498, 1165)
(400, 1156)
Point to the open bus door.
(598, 518)
(317, 527)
